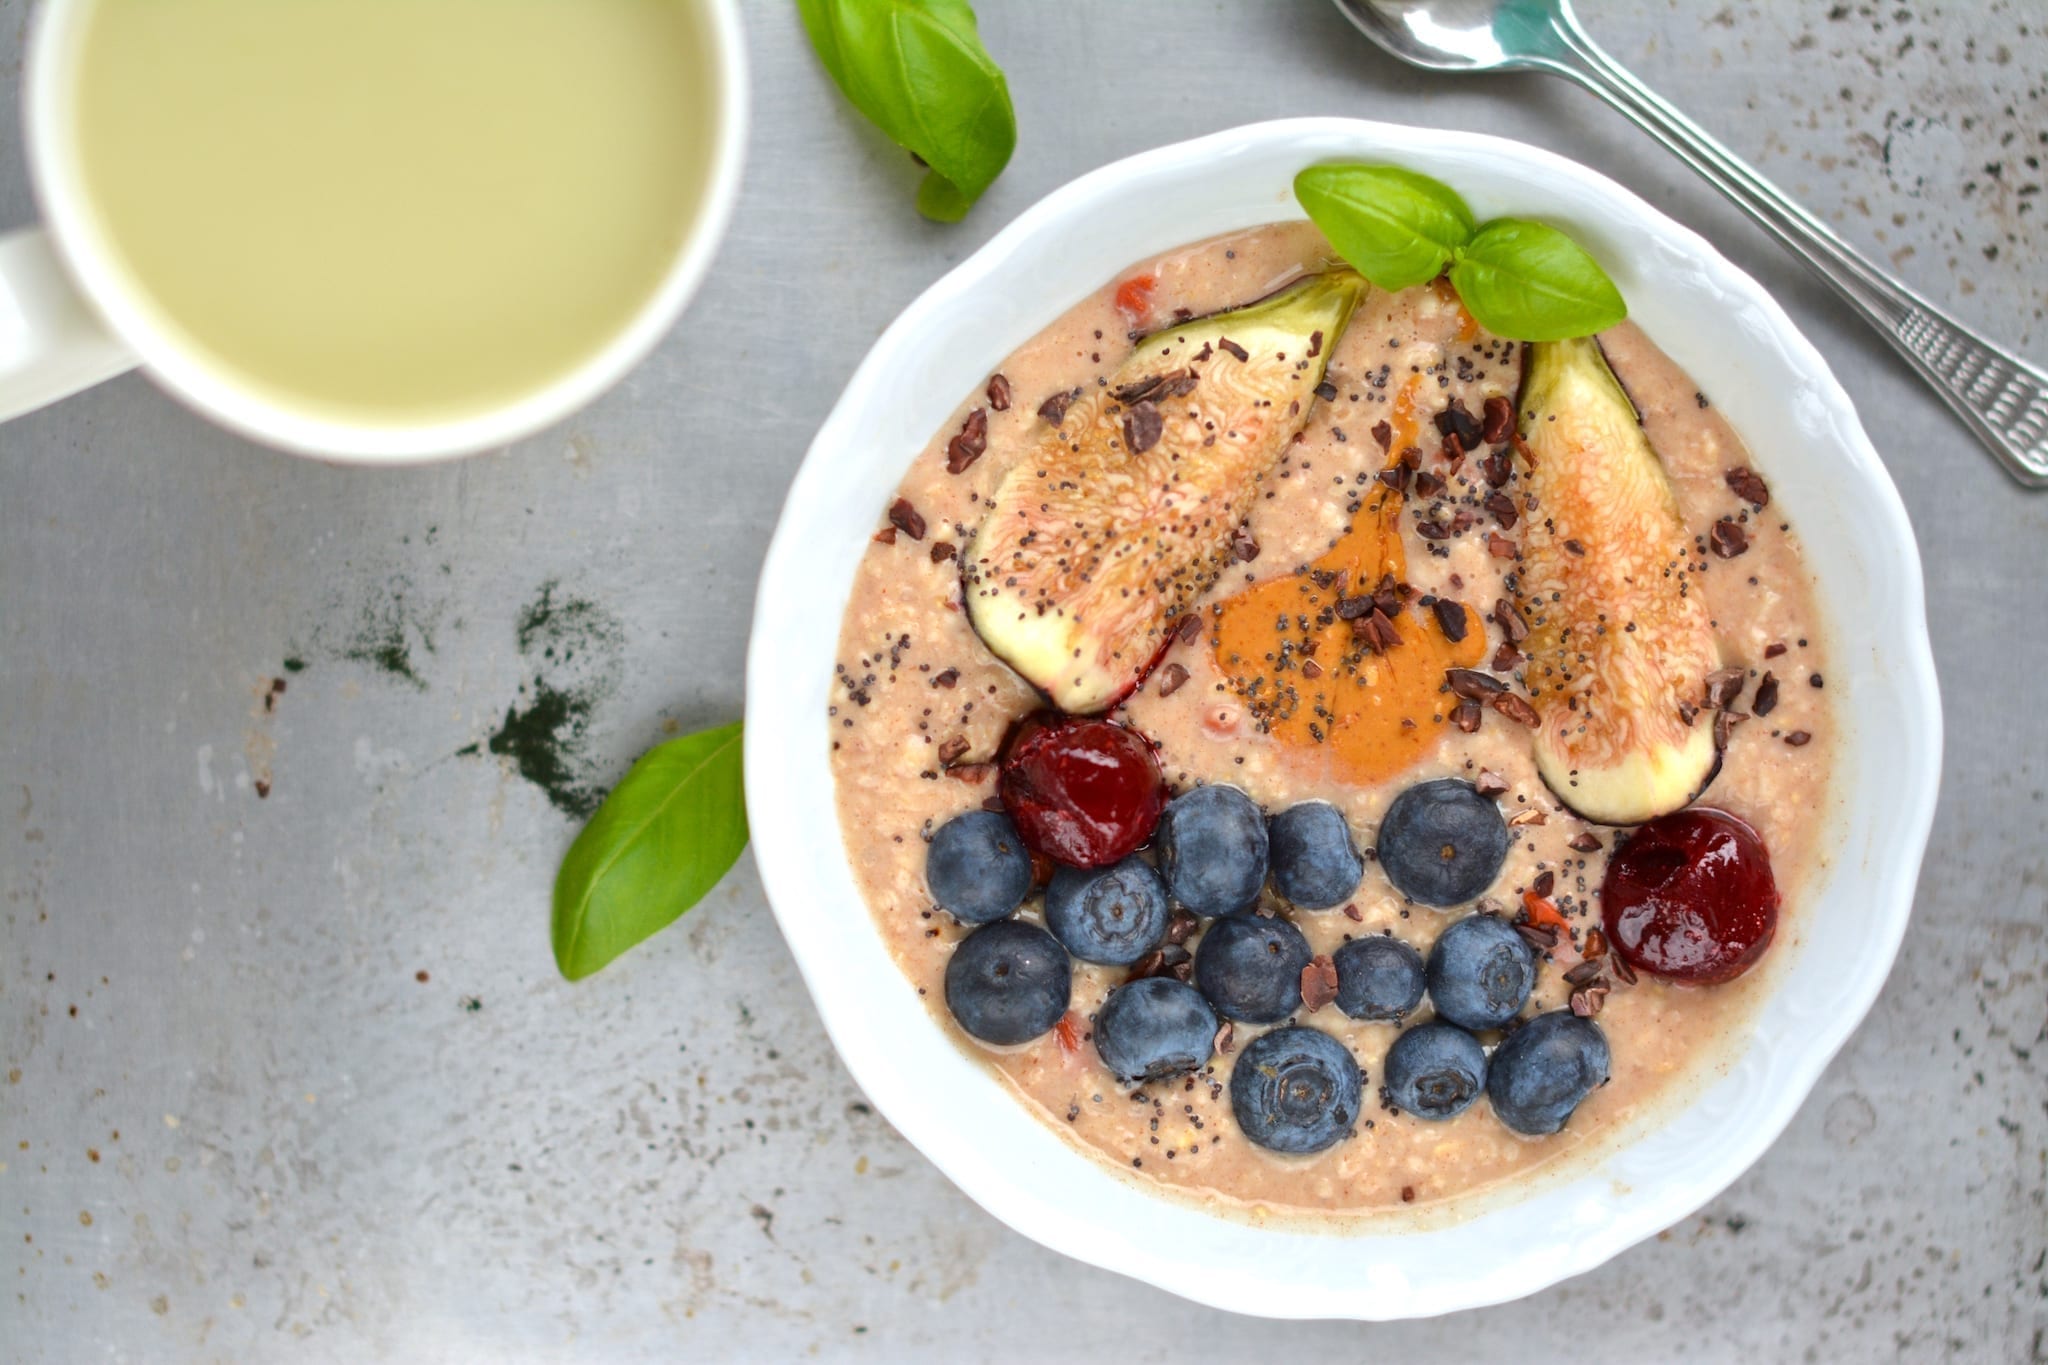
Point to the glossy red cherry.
(1690, 897)
(1082, 792)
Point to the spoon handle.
(2000, 396)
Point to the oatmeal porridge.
(1407, 662)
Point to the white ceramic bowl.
(1768, 380)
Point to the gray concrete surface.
(293, 1078)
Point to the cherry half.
(1084, 792)
(1690, 897)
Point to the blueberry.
(1480, 972)
(1378, 978)
(1212, 850)
(977, 867)
(1154, 1028)
(1113, 915)
(1544, 1069)
(1435, 1070)
(1442, 843)
(1295, 1090)
(1250, 968)
(1008, 982)
(1315, 864)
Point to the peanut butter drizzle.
(1306, 677)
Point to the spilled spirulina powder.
(574, 649)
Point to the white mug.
(69, 319)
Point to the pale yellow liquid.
(395, 210)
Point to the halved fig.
(1620, 644)
(1123, 514)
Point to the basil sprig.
(674, 825)
(917, 70)
(1522, 280)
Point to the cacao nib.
(1170, 679)
(942, 550)
(1384, 434)
(1451, 616)
(1503, 508)
(1226, 344)
(999, 393)
(1318, 982)
(1727, 539)
(1515, 708)
(1142, 427)
(1749, 485)
(1054, 409)
(1458, 421)
(1472, 684)
(1724, 685)
(1466, 715)
(952, 749)
(1510, 620)
(1766, 699)
(967, 447)
(1490, 783)
(905, 518)
(1498, 419)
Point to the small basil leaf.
(665, 835)
(917, 70)
(1394, 226)
(1529, 282)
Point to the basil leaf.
(917, 70)
(1529, 282)
(665, 835)
(1395, 226)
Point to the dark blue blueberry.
(1154, 1028)
(1212, 850)
(977, 867)
(1543, 1069)
(1250, 968)
(1435, 1071)
(1113, 915)
(1480, 972)
(1442, 843)
(1295, 1090)
(1378, 978)
(1315, 864)
(1008, 982)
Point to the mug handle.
(52, 343)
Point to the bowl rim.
(790, 863)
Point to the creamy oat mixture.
(921, 706)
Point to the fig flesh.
(1620, 643)
(1108, 529)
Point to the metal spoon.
(1999, 396)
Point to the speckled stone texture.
(292, 1077)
